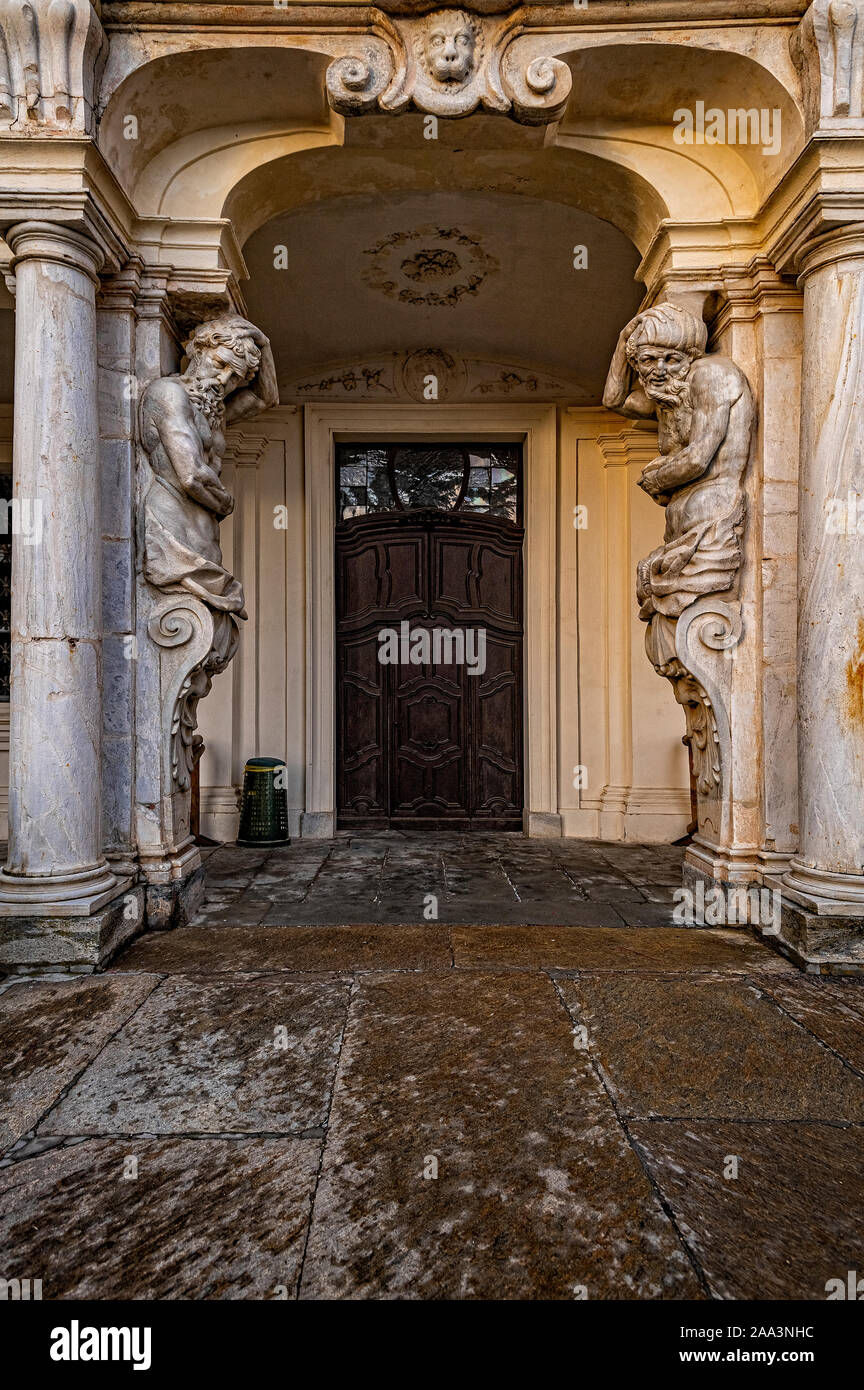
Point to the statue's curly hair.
(229, 330)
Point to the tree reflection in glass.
(482, 479)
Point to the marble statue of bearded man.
(705, 416)
(228, 376)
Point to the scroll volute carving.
(448, 63)
(51, 56)
(705, 416)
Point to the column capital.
(51, 241)
(839, 244)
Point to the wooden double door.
(434, 743)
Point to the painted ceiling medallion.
(449, 63)
(432, 266)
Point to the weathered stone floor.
(273, 1102)
(473, 878)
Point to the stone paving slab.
(294, 948)
(587, 948)
(246, 910)
(537, 1191)
(480, 878)
(215, 1054)
(49, 1031)
(832, 1009)
(789, 1222)
(708, 1046)
(203, 1219)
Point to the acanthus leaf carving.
(828, 50)
(51, 54)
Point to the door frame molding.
(536, 428)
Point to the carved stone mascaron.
(449, 63)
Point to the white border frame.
(536, 427)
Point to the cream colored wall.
(258, 706)
(624, 729)
(614, 717)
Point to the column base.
(36, 944)
(68, 895)
(739, 866)
(822, 893)
(821, 937)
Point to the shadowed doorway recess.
(429, 636)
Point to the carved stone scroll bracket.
(539, 88)
(449, 63)
(51, 55)
(184, 630)
(706, 636)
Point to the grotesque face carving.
(222, 357)
(449, 47)
(663, 371)
(663, 345)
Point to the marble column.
(827, 874)
(56, 866)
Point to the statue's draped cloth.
(171, 520)
(704, 560)
(182, 551)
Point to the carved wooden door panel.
(437, 740)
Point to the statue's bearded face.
(450, 49)
(224, 369)
(663, 371)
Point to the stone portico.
(238, 238)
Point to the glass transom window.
(480, 479)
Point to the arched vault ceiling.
(181, 95)
(571, 177)
(467, 273)
(631, 92)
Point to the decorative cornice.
(535, 14)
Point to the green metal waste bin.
(264, 804)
